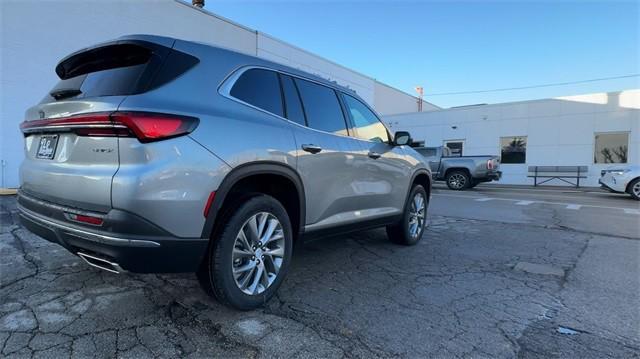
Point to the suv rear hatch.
(72, 135)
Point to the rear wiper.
(64, 93)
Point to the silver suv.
(153, 154)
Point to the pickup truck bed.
(460, 172)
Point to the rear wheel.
(634, 189)
(458, 180)
(414, 219)
(250, 257)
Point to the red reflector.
(96, 221)
(207, 206)
(154, 126)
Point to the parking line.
(627, 210)
(573, 206)
(484, 199)
(524, 203)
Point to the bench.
(561, 173)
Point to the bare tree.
(621, 153)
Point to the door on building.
(455, 147)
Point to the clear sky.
(453, 46)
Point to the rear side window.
(321, 107)
(295, 112)
(119, 69)
(260, 88)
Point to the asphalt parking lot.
(500, 273)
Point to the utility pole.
(420, 91)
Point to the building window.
(513, 149)
(611, 147)
(455, 147)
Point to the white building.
(35, 35)
(592, 130)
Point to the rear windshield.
(427, 152)
(119, 69)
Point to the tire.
(402, 232)
(233, 268)
(634, 189)
(458, 180)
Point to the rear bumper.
(155, 252)
(494, 176)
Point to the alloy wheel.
(457, 181)
(636, 189)
(258, 253)
(417, 214)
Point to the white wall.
(35, 35)
(560, 131)
(279, 51)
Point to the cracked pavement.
(470, 288)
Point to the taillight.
(149, 127)
(145, 126)
(490, 164)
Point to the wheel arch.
(422, 177)
(462, 169)
(628, 188)
(261, 170)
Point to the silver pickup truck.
(460, 172)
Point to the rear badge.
(102, 150)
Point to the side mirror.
(402, 138)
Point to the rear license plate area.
(47, 147)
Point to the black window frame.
(352, 124)
(284, 100)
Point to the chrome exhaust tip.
(101, 263)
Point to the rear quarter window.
(260, 88)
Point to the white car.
(622, 179)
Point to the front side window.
(611, 148)
(513, 149)
(366, 124)
(321, 107)
(260, 88)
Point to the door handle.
(374, 155)
(311, 148)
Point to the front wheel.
(414, 219)
(250, 257)
(634, 189)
